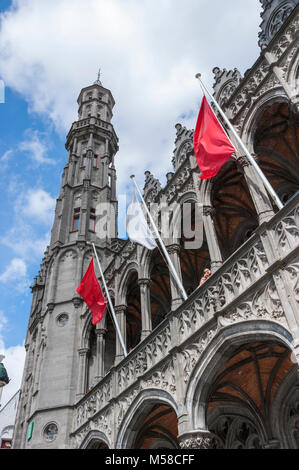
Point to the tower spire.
(98, 81)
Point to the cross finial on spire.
(98, 80)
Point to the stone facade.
(219, 370)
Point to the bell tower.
(89, 178)
(55, 345)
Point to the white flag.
(137, 227)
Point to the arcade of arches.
(250, 404)
(241, 396)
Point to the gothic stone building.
(219, 370)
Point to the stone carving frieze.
(152, 187)
(287, 232)
(191, 319)
(124, 403)
(192, 352)
(274, 15)
(226, 83)
(197, 441)
(253, 95)
(100, 423)
(163, 378)
(292, 272)
(94, 403)
(103, 423)
(152, 353)
(287, 60)
(158, 347)
(68, 256)
(265, 304)
(129, 252)
(183, 145)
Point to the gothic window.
(95, 161)
(83, 161)
(279, 18)
(76, 219)
(92, 220)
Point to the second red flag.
(90, 291)
(212, 147)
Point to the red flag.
(92, 295)
(212, 147)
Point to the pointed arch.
(137, 413)
(95, 440)
(218, 353)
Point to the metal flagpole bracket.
(243, 147)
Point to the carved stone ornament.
(226, 83)
(198, 440)
(274, 15)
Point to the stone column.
(146, 318)
(100, 353)
(83, 353)
(176, 296)
(120, 313)
(212, 240)
(278, 72)
(53, 282)
(199, 439)
(257, 190)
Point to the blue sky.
(148, 61)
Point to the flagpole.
(244, 148)
(110, 303)
(172, 268)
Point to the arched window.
(276, 144)
(133, 314)
(235, 216)
(160, 288)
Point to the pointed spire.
(98, 81)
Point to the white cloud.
(3, 322)
(39, 205)
(13, 362)
(25, 242)
(30, 228)
(15, 270)
(6, 156)
(35, 147)
(148, 54)
(16, 274)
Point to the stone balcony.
(259, 283)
